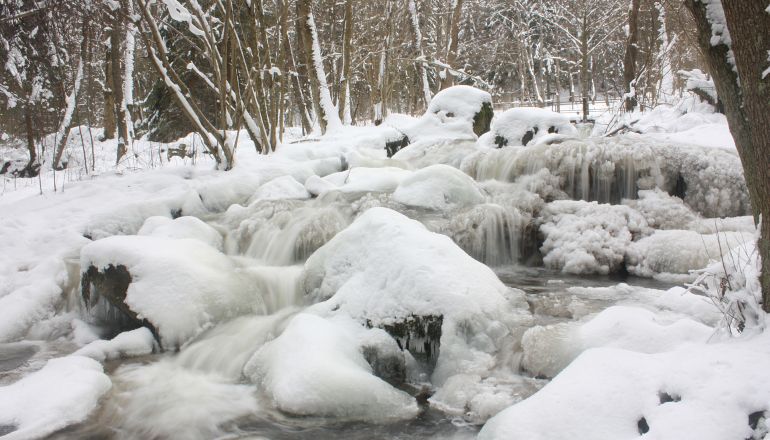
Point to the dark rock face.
(483, 119)
(420, 335)
(394, 146)
(104, 293)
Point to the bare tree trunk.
(344, 104)
(109, 96)
(422, 67)
(629, 60)
(290, 68)
(454, 35)
(744, 88)
(322, 102)
(585, 79)
(72, 101)
(117, 84)
(32, 168)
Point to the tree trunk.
(423, 69)
(745, 91)
(322, 102)
(32, 168)
(585, 79)
(121, 112)
(108, 118)
(72, 101)
(629, 61)
(290, 68)
(344, 101)
(454, 35)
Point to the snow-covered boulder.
(64, 392)
(521, 126)
(386, 270)
(182, 227)
(131, 343)
(284, 187)
(178, 287)
(588, 237)
(463, 105)
(438, 187)
(316, 368)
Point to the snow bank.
(363, 179)
(132, 343)
(316, 368)
(699, 391)
(549, 349)
(587, 237)
(180, 286)
(64, 392)
(385, 269)
(438, 187)
(182, 227)
(522, 126)
(458, 103)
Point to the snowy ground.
(330, 291)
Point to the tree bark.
(108, 118)
(629, 60)
(344, 104)
(290, 68)
(744, 90)
(454, 35)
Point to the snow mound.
(284, 187)
(182, 227)
(438, 187)
(521, 126)
(587, 237)
(698, 391)
(458, 103)
(64, 392)
(363, 179)
(180, 286)
(385, 269)
(549, 349)
(679, 252)
(131, 343)
(316, 368)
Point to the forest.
(392, 219)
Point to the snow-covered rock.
(131, 343)
(182, 227)
(438, 187)
(64, 392)
(386, 270)
(180, 286)
(315, 367)
(522, 126)
(284, 187)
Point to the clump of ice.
(64, 392)
(316, 368)
(587, 237)
(385, 268)
(181, 286)
(182, 227)
(522, 126)
(438, 187)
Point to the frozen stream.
(152, 393)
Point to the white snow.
(182, 286)
(438, 187)
(284, 187)
(182, 227)
(64, 392)
(316, 368)
(513, 124)
(131, 343)
(587, 237)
